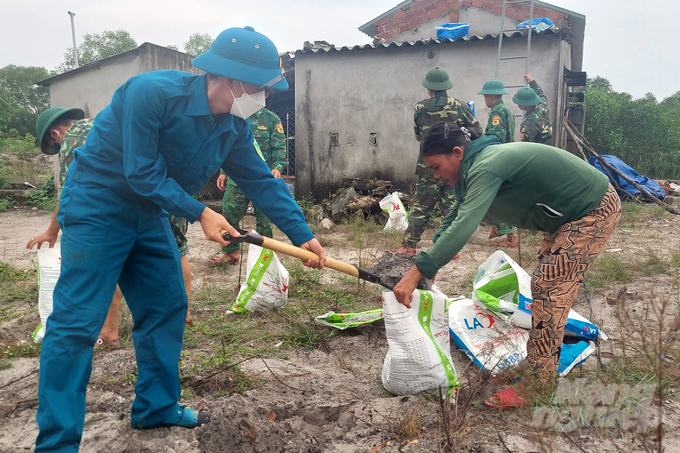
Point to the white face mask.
(247, 104)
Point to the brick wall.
(420, 11)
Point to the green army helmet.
(245, 55)
(526, 96)
(494, 87)
(48, 118)
(437, 79)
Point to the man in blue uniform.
(163, 135)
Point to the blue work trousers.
(106, 240)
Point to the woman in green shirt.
(530, 186)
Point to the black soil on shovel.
(391, 267)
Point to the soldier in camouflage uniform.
(536, 126)
(501, 124)
(62, 131)
(270, 141)
(429, 190)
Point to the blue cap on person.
(245, 55)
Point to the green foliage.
(642, 132)
(43, 197)
(23, 147)
(197, 44)
(17, 283)
(96, 47)
(4, 176)
(21, 100)
(306, 203)
(6, 203)
(608, 269)
(14, 351)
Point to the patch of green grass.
(652, 265)
(607, 269)
(211, 294)
(17, 284)
(531, 237)
(24, 349)
(657, 212)
(675, 260)
(630, 213)
(5, 364)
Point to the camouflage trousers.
(234, 207)
(179, 227)
(429, 192)
(564, 259)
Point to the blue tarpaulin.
(650, 185)
(535, 22)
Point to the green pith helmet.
(49, 117)
(526, 96)
(245, 55)
(437, 79)
(494, 87)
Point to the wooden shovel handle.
(297, 252)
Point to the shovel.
(297, 252)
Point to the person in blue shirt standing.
(163, 135)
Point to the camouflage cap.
(437, 79)
(493, 87)
(526, 96)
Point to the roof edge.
(370, 23)
(384, 45)
(48, 81)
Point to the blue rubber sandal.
(186, 418)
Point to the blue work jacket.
(157, 140)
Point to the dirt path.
(316, 401)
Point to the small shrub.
(43, 198)
(6, 203)
(23, 147)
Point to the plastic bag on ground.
(392, 205)
(419, 355)
(49, 268)
(489, 341)
(267, 282)
(503, 287)
(344, 321)
(496, 345)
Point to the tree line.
(642, 132)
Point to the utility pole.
(73, 32)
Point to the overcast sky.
(628, 42)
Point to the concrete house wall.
(91, 87)
(354, 108)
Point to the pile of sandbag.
(492, 328)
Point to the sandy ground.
(316, 401)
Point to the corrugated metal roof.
(421, 42)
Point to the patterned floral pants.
(564, 259)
